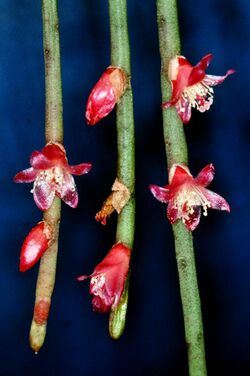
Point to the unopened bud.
(105, 94)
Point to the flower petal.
(170, 103)
(43, 193)
(178, 72)
(216, 201)
(81, 278)
(25, 176)
(205, 176)
(108, 278)
(178, 175)
(67, 191)
(101, 304)
(191, 220)
(183, 108)
(39, 161)
(115, 267)
(160, 193)
(55, 153)
(80, 169)
(172, 212)
(198, 72)
(211, 80)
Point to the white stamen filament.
(188, 197)
(97, 283)
(199, 95)
(53, 175)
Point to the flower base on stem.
(120, 56)
(176, 152)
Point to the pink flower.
(105, 94)
(186, 195)
(108, 278)
(191, 86)
(52, 176)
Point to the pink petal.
(204, 62)
(205, 176)
(55, 153)
(108, 278)
(198, 71)
(25, 176)
(210, 80)
(39, 161)
(81, 278)
(191, 221)
(43, 193)
(169, 103)
(172, 212)
(115, 266)
(160, 193)
(216, 201)
(67, 191)
(100, 304)
(184, 110)
(80, 169)
(178, 175)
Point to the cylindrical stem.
(53, 81)
(53, 133)
(45, 280)
(120, 56)
(176, 151)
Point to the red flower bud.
(34, 245)
(105, 94)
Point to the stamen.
(58, 175)
(97, 283)
(189, 197)
(200, 96)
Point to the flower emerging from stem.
(105, 94)
(191, 86)
(185, 195)
(108, 278)
(52, 175)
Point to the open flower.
(108, 278)
(105, 94)
(52, 176)
(186, 195)
(191, 86)
(35, 244)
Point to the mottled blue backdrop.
(77, 342)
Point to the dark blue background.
(77, 341)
